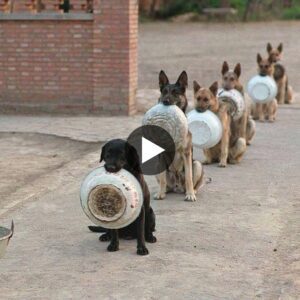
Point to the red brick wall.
(115, 55)
(46, 64)
(71, 65)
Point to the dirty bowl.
(171, 118)
(5, 236)
(205, 127)
(262, 89)
(235, 101)
(111, 200)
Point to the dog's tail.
(97, 229)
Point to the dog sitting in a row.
(119, 154)
(268, 110)
(285, 91)
(237, 134)
(185, 173)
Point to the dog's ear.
(258, 58)
(214, 88)
(196, 86)
(133, 158)
(238, 70)
(269, 47)
(102, 153)
(225, 68)
(163, 80)
(280, 47)
(182, 80)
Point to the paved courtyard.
(240, 240)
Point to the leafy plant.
(291, 13)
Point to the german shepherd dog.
(232, 146)
(285, 91)
(245, 126)
(185, 174)
(268, 110)
(118, 154)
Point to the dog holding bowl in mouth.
(116, 198)
(228, 105)
(263, 90)
(226, 149)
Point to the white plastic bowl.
(236, 99)
(5, 236)
(206, 128)
(171, 118)
(111, 200)
(262, 89)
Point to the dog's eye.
(231, 79)
(206, 100)
(174, 93)
(226, 78)
(198, 99)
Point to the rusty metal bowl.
(169, 117)
(5, 236)
(235, 100)
(111, 200)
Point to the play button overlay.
(155, 147)
(149, 150)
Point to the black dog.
(118, 154)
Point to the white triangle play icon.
(149, 150)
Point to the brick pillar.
(115, 56)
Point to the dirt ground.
(26, 157)
(201, 48)
(240, 240)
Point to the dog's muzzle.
(111, 168)
(201, 110)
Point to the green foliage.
(291, 13)
(268, 8)
(177, 7)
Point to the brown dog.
(231, 147)
(266, 111)
(230, 80)
(285, 91)
(185, 174)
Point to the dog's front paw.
(160, 196)
(142, 250)
(113, 247)
(104, 237)
(151, 239)
(222, 164)
(191, 197)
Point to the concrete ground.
(240, 240)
